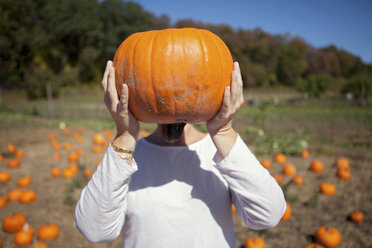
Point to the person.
(178, 187)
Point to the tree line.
(68, 42)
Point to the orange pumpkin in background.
(39, 245)
(11, 148)
(5, 177)
(356, 216)
(13, 163)
(289, 170)
(20, 153)
(24, 181)
(28, 196)
(24, 236)
(266, 163)
(56, 172)
(254, 242)
(14, 223)
(328, 236)
(280, 158)
(14, 195)
(174, 75)
(305, 153)
(48, 232)
(288, 212)
(298, 180)
(328, 188)
(3, 202)
(342, 162)
(316, 166)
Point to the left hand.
(232, 100)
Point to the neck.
(189, 136)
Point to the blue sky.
(346, 24)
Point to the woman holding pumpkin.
(177, 188)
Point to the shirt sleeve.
(100, 211)
(257, 197)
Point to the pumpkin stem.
(172, 132)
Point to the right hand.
(127, 125)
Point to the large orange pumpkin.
(174, 75)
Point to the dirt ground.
(298, 231)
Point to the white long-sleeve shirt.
(178, 196)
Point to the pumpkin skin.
(280, 158)
(289, 170)
(328, 188)
(3, 202)
(39, 245)
(56, 172)
(266, 163)
(14, 195)
(14, 223)
(344, 173)
(356, 216)
(173, 75)
(254, 242)
(48, 232)
(24, 236)
(305, 154)
(314, 246)
(28, 196)
(5, 177)
(24, 181)
(298, 180)
(288, 212)
(316, 166)
(328, 236)
(342, 163)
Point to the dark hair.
(172, 132)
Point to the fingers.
(237, 87)
(105, 74)
(124, 99)
(111, 89)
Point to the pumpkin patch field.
(318, 150)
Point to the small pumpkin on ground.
(266, 163)
(3, 202)
(280, 158)
(48, 232)
(356, 216)
(288, 212)
(316, 166)
(255, 242)
(328, 188)
(328, 236)
(56, 172)
(28, 196)
(289, 170)
(342, 162)
(278, 178)
(39, 245)
(14, 195)
(5, 177)
(14, 223)
(11, 148)
(314, 246)
(20, 154)
(24, 236)
(298, 180)
(24, 181)
(305, 153)
(13, 163)
(344, 173)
